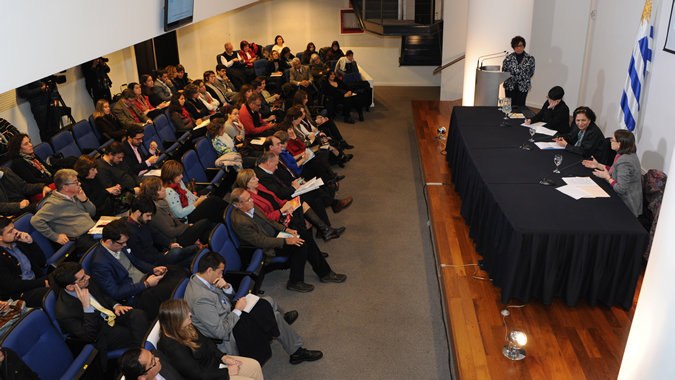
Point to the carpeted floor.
(385, 321)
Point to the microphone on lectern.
(484, 57)
(549, 182)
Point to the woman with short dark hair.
(334, 53)
(521, 66)
(102, 198)
(554, 112)
(585, 138)
(625, 174)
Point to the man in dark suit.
(84, 312)
(14, 193)
(141, 364)
(21, 264)
(122, 276)
(134, 157)
(255, 229)
(112, 170)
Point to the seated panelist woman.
(554, 112)
(585, 138)
(625, 174)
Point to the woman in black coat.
(554, 112)
(102, 198)
(27, 164)
(339, 94)
(193, 105)
(275, 66)
(585, 138)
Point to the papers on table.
(548, 145)
(582, 187)
(517, 116)
(308, 186)
(97, 230)
(539, 127)
(258, 141)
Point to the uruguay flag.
(640, 64)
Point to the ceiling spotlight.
(513, 350)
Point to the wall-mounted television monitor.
(177, 13)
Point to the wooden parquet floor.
(582, 342)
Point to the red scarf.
(182, 194)
(185, 116)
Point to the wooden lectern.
(488, 79)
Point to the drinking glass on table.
(557, 160)
(507, 107)
(533, 130)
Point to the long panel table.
(536, 241)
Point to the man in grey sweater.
(66, 214)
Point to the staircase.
(421, 38)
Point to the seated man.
(21, 264)
(112, 170)
(301, 76)
(250, 118)
(225, 84)
(144, 238)
(266, 111)
(181, 80)
(122, 276)
(210, 299)
(215, 90)
(134, 157)
(66, 214)
(141, 364)
(346, 65)
(161, 86)
(254, 229)
(126, 111)
(84, 312)
(14, 193)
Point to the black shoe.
(338, 178)
(345, 145)
(330, 233)
(348, 157)
(306, 356)
(333, 277)
(324, 254)
(299, 286)
(290, 316)
(349, 120)
(361, 117)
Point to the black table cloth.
(536, 241)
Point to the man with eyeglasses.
(84, 312)
(141, 364)
(138, 162)
(66, 214)
(250, 118)
(128, 279)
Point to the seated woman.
(625, 174)
(319, 68)
(585, 138)
(225, 146)
(244, 93)
(107, 123)
(233, 127)
(247, 56)
(193, 105)
(307, 54)
(311, 136)
(339, 94)
(554, 112)
(211, 104)
(192, 354)
(325, 125)
(274, 71)
(286, 59)
(171, 73)
(180, 116)
(142, 102)
(183, 203)
(335, 52)
(278, 44)
(280, 210)
(165, 222)
(26, 164)
(147, 89)
(102, 198)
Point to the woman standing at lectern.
(521, 66)
(554, 112)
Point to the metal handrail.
(441, 68)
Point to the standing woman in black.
(521, 66)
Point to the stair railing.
(441, 68)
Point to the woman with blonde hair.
(192, 354)
(107, 123)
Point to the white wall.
(53, 36)
(454, 46)
(558, 33)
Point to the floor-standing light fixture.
(513, 350)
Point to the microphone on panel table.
(526, 146)
(549, 182)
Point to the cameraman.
(96, 79)
(39, 94)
